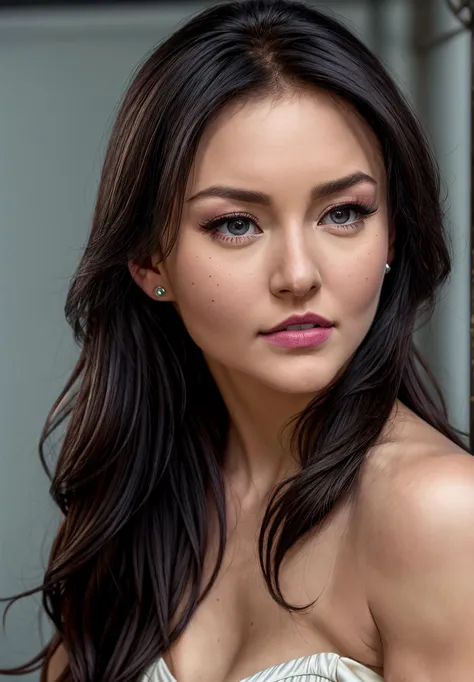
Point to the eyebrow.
(252, 197)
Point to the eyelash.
(211, 226)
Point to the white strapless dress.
(317, 668)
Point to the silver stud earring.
(160, 291)
(387, 268)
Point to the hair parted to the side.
(146, 425)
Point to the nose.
(296, 272)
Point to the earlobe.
(150, 279)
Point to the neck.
(259, 453)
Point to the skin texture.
(392, 571)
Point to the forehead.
(308, 134)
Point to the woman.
(256, 482)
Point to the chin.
(309, 382)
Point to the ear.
(150, 275)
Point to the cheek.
(211, 296)
(357, 282)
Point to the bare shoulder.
(416, 515)
(417, 511)
(419, 481)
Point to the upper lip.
(307, 318)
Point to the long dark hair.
(146, 426)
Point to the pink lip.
(307, 318)
(302, 338)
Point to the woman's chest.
(239, 628)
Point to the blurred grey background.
(62, 73)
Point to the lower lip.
(301, 338)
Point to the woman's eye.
(232, 228)
(342, 215)
(236, 227)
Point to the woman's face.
(298, 224)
